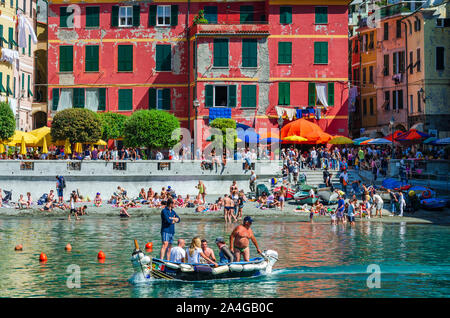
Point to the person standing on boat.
(168, 220)
(225, 255)
(239, 240)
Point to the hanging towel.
(290, 112)
(9, 56)
(280, 111)
(299, 113)
(318, 112)
(25, 25)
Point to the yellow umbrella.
(91, 148)
(340, 140)
(16, 139)
(101, 142)
(67, 149)
(78, 147)
(294, 138)
(2, 148)
(23, 147)
(44, 133)
(44, 145)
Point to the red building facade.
(251, 57)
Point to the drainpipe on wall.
(406, 75)
(360, 82)
(189, 74)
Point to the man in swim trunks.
(168, 220)
(239, 240)
(228, 208)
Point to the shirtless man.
(208, 251)
(228, 209)
(239, 240)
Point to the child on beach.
(179, 202)
(21, 204)
(123, 212)
(333, 218)
(29, 200)
(98, 200)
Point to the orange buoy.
(101, 261)
(42, 257)
(18, 247)
(101, 255)
(149, 245)
(68, 247)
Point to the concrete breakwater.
(92, 176)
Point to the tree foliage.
(150, 128)
(7, 121)
(228, 128)
(76, 125)
(112, 125)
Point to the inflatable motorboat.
(303, 197)
(155, 268)
(433, 204)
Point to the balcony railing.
(394, 9)
(231, 28)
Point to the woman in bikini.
(233, 187)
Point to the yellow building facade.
(368, 66)
(7, 39)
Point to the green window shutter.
(248, 96)
(152, 98)
(285, 15)
(55, 98)
(284, 52)
(64, 17)
(78, 98)
(115, 16)
(8, 89)
(10, 37)
(102, 98)
(221, 52)
(92, 17)
(166, 98)
(249, 53)
(311, 94)
(2, 39)
(152, 16)
(330, 94)
(125, 58)
(30, 93)
(91, 63)
(23, 81)
(231, 95)
(246, 14)
(136, 15)
(66, 58)
(2, 89)
(209, 92)
(125, 99)
(210, 13)
(29, 45)
(163, 57)
(284, 93)
(321, 52)
(321, 15)
(174, 15)
(394, 63)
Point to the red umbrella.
(412, 135)
(395, 134)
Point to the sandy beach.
(288, 214)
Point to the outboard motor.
(141, 263)
(271, 258)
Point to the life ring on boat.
(426, 194)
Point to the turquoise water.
(315, 260)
